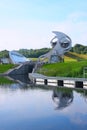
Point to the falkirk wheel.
(61, 43)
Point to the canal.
(26, 106)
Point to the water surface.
(30, 107)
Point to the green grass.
(70, 90)
(6, 67)
(75, 56)
(33, 59)
(69, 59)
(66, 69)
(4, 80)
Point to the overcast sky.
(29, 23)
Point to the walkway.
(58, 81)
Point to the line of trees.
(80, 49)
(35, 53)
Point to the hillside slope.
(72, 56)
(64, 69)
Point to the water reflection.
(25, 106)
(22, 79)
(62, 98)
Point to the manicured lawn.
(66, 69)
(6, 67)
(4, 80)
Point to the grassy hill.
(72, 56)
(66, 69)
(72, 66)
(6, 67)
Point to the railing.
(58, 81)
(84, 72)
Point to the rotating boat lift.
(61, 43)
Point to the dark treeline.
(29, 53)
(80, 49)
(35, 53)
(4, 53)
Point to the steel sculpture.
(61, 43)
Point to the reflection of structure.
(17, 58)
(22, 79)
(62, 98)
(61, 43)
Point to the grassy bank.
(6, 67)
(4, 80)
(66, 69)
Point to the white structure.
(61, 43)
(17, 58)
(4, 61)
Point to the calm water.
(29, 107)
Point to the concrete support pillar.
(60, 82)
(45, 81)
(79, 84)
(34, 80)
